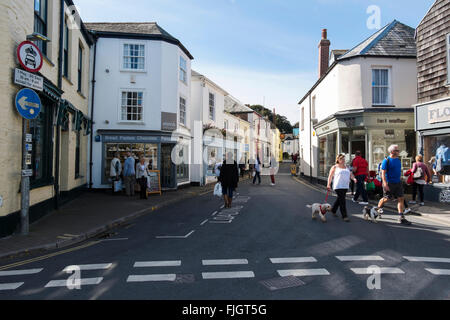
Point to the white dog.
(321, 209)
(374, 213)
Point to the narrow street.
(265, 247)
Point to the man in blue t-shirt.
(391, 172)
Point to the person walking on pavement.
(391, 171)
(229, 178)
(273, 169)
(419, 171)
(129, 174)
(141, 176)
(115, 170)
(340, 176)
(257, 171)
(361, 171)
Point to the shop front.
(157, 148)
(369, 132)
(433, 126)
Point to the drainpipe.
(310, 140)
(92, 112)
(58, 131)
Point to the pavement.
(90, 215)
(438, 212)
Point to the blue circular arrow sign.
(28, 103)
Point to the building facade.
(141, 100)
(432, 113)
(60, 132)
(362, 101)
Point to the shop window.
(183, 167)
(437, 156)
(41, 155)
(327, 153)
(149, 151)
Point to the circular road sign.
(30, 57)
(28, 103)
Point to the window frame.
(183, 71)
(131, 90)
(66, 48)
(389, 86)
(211, 108)
(123, 56)
(80, 67)
(41, 18)
(182, 111)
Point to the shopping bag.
(253, 174)
(118, 186)
(218, 190)
(370, 186)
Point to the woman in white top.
(141, 176)
(340, 175)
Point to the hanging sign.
(28, 103)
(30, 57)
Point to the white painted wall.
(159, 82)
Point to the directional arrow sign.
(28, 103)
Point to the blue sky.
(260, 51)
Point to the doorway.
(359, 145)
(167, 167)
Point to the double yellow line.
(21, 263)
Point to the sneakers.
(407, 211)
(412, 202)
(402, 220)
(272, 184)
(364, 203)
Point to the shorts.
(395, 191)
(228, 191)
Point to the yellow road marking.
(21, 263)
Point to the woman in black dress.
(229, 178)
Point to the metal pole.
(24, 186)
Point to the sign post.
(28, 104)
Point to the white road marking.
(303, 272)
(224, 262)
(228, 221)
(10, 286)
(20, 272)
(428, 259)
(205, 221)
(152, 277)
(228, 275)
(293, 260)
(360, 258)
(116, 239)
(439, 272)
(382, 271)
(101, 266)
(83, 282)
(174, 263)
(214, 213)
(175, 237)
(223, 206)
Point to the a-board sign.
(155, 182)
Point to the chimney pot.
(324, 34)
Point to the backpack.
(418, 174)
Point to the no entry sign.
(30, 57)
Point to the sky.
(260, 51)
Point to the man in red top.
(361, 171)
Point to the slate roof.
(145, 30)
(232, 105)
(394, 40)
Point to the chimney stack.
(324, 53)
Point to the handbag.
(370, 186)
(118, 186)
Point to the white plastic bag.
(218, 190)
(118, 186)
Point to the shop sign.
(168, 121)
(391, 121)
(438, 114)
(28, 79)
(130, 139)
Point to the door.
(167, 167)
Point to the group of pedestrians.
(130, 175)
(391, 172)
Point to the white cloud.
(281, 91)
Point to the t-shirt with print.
(394, 171)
